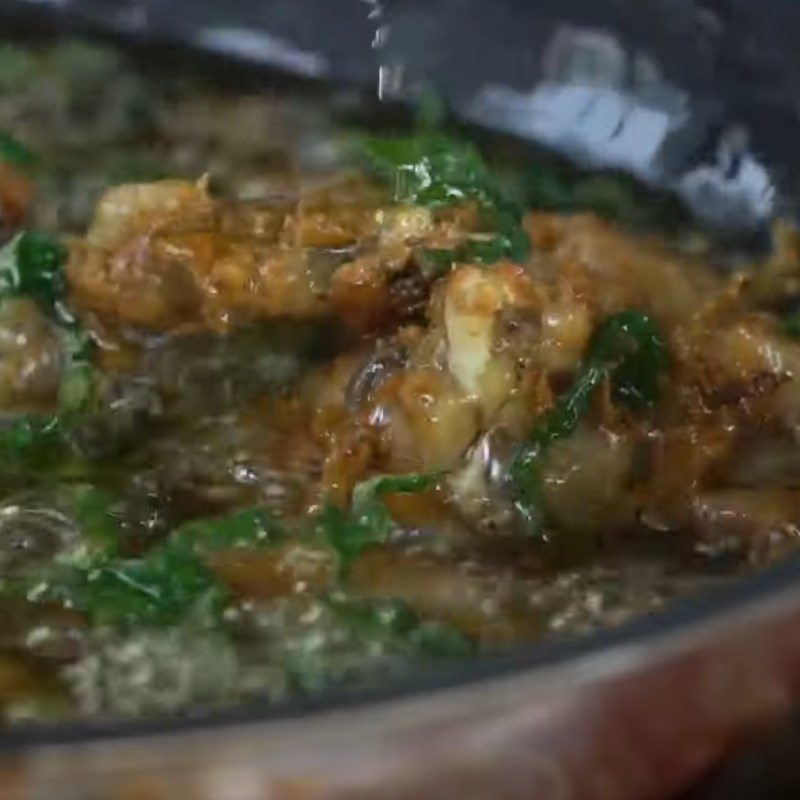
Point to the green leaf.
(547, 188)
(609, 197)
(18, 67)
(31, 264)
(791, 326)
(437, 262)
(373, 617)
(435, 170)
(369, 521)
(368, 508)
(436, 640)
(391, 620)
(429, 169)
(163, 585)
(351, 638)
(35, 439)
(431, 111)
(247, 528)
(344, 533)
(628, 349)
(15, 153)
(93, 512)
(630, 345)
(158, 589)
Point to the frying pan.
(698, 98)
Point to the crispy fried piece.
(167, 256)
(612, 270)
(420, 399)
(730, 359)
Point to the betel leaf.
(627, 349)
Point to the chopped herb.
(32, 265)
(15, 153)
(387, 619)
(368, 507)
(348, 536)
(165, 583)
(634, 352)
(34, 438)
(76, 386)
(44, 438)
(791, 325)
(373, 618)
(513, 245)
(436, 262)
(93, 512)
(172, 578)
(545, 187)
(246, 528)
(628, 349)
(431, 111)
(435, 170)
(430, 170)
(157, 589)
(369, 521)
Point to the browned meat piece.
(265, 574)
(167, 256)
(612, 270)
(420, 399)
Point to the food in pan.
(278, 422)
